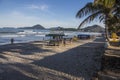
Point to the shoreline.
(34, 41)
(5, 39)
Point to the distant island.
(63, 29)
(94, 28)
(38, 26)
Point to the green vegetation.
(63, 29)
(94, 28)
(107, 11)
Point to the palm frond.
(90, 18)
(102, 17)
(105, 3)
(87, 9)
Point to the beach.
(78, 60)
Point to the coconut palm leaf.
(106, 3)
(86, 10)
(90, 18)
(102, 17)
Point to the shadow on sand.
(12, 72)
(82, 61)
(23, 48)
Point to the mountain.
(38, 26)
(94, 28)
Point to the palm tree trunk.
(107, 35)
(106, 32)
(106, 28)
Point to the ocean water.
(33, 35)
(22, 36)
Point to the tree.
(114, 18)
(105, 3)
(104, 10)
(114, 24)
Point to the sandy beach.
(36, 61)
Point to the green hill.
(38, 26)
(94, 28)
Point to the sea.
(29, 35)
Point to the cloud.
(17, 18)
(16, 13)
(42, 7)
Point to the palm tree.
(106, 3)
(114, 5)
(114, 20)
(97, 10)
(114, 24)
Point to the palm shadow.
(10, 72)
(82, 61)
(23, 48)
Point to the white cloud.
(19, 19)
(15, 14)
(16, 19)
(42, 7)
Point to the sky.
(48, 13)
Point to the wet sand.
(36, 61)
